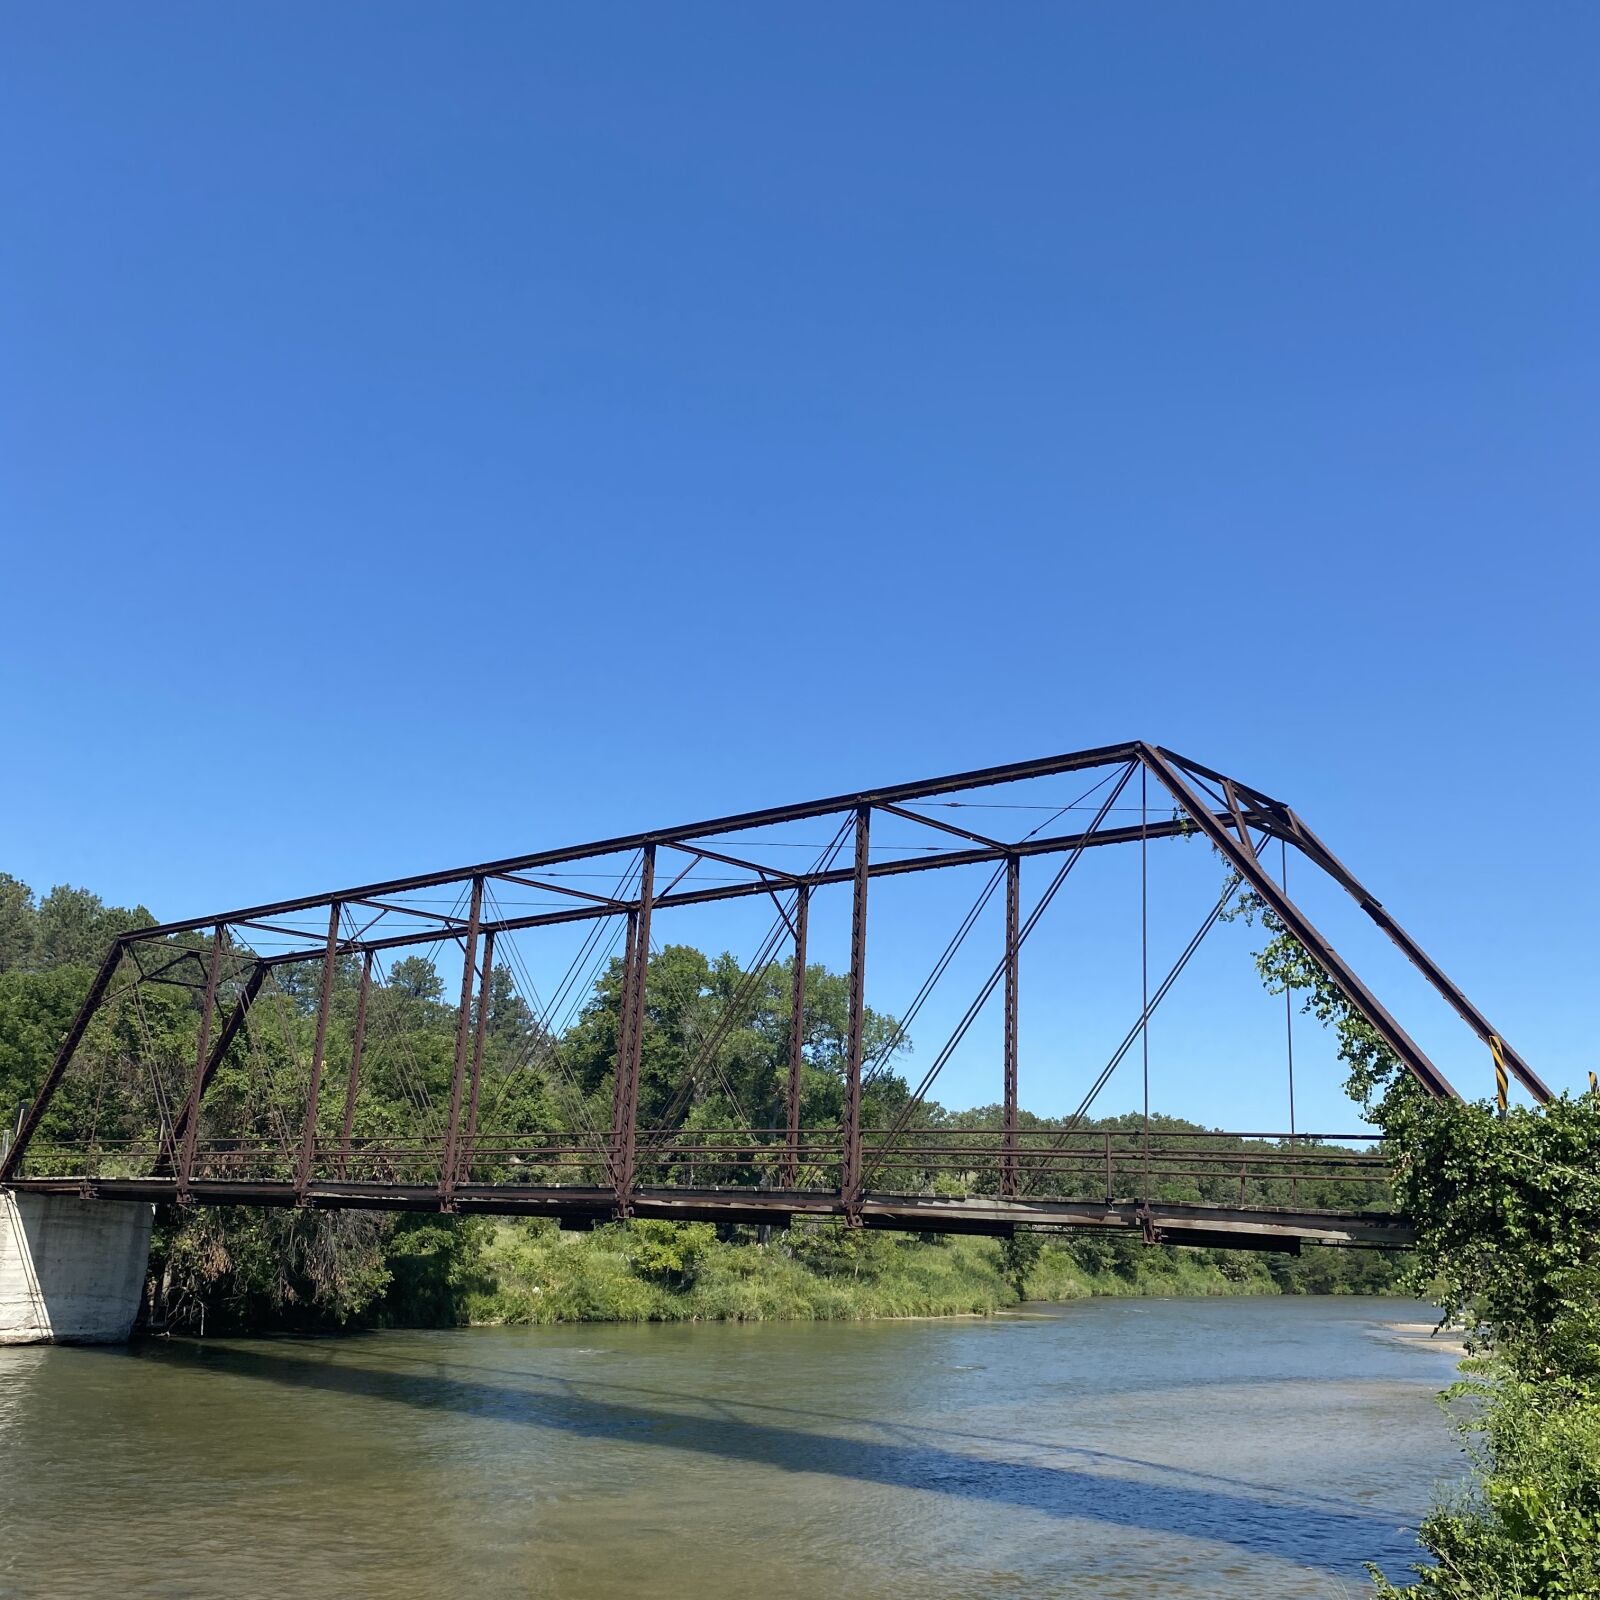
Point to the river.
(1238, 1448)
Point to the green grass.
(530, 1272)
(539, 1275)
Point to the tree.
(69, 927)
(36, 1009)
(417, 978)
(1019, 1255)
(669, 1252)
(1506, 1211)
(717, 1036)
(510, 1019)
(18, 923)
(75, 927)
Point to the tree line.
(714, 1056)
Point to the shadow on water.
(1335, 1537)
(916, 1432)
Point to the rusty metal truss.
(224, 959)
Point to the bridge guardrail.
(1303, 1170)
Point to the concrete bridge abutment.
(71, 1271)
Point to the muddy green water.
(1109, 1448)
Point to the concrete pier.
(71, 1271)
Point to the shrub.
(669, 1253)
(1529, 1528)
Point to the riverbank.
(1428, 1335)
(529, 1272)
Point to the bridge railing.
(1303, 1170)
(1320, 1170)
(1347, 1171)
(1338, 1172)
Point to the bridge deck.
(1167, 1222)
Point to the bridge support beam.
(630, 1041)
(797, 1043)
(71, 1271)
(308, 1135)
(352, 1082)
(452, 1128)
(1008, 1134)
(850, 1163)
(479, 1033)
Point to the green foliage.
(36, 1008)
(1529, 1528)
(815, 1271)
(242, 1269)
(1507, 1215)
(69, 927)
(833, 1250)
(1506, 1211)
(669, 1252)
(1019, 1255)
(239, 1270)
(688, 994)
(17, 916)
(1375, 1073)
(415, 978)
(435, 1269)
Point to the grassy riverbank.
(526, 1272)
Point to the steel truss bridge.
(1244, 1188)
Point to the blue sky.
(430, 433)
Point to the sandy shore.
(1447, 1341)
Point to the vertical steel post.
(1288, 1033)
(479, 1032)
(308, 1136)
(190, 1116)
(797, 1040)
(1008, 1156)
(619, 1071)
(1144, 948)
(469, 971)
(850, 1163)
(353, 1078)
(627, 1089)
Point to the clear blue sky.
(432, 432)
